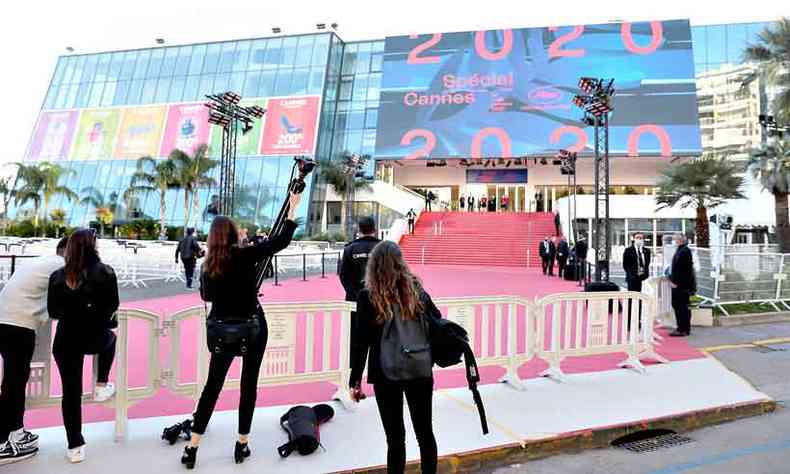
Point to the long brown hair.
(81, 253)
(222, 236)
(390, 282)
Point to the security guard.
(352, 269)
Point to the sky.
(34, 33)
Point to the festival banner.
(140, 133)
(187, 127)
(247, 144)
(53, 135)
(290, 126)
(96, 134)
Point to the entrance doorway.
(516, 195)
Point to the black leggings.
(16, 347)
(389, 398)
(217, 371)
(70, 355)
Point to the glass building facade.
(346, 76)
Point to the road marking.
(747, 345)
(490, 420)
(725, 457)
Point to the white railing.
(309, 342)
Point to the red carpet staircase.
(470, 238)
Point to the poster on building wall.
(96, 134)
(248, 143)
(186, 127)
(290, 126)
(513, 176)
(53, 135)
(140, 132)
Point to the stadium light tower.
(225, 111)
(596, 102)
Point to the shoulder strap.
(472, 378)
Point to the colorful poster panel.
(141, 132)
(247, 144)
(290, 126)
(96, 134)
(53, 135)
(187, 127)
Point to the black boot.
(189, 457)
(241, 452)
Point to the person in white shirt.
(23, 309)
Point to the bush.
(175, 233)
(23, 228)
(143, 229)
(326, 237)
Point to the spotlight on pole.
(69, 49)
(334, 26)
(276, 30)
(160, 41)
(320, 26)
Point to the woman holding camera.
(229, 282)
(83, 297)
(392, 291)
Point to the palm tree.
(337, 174)
(30, 189)
(703, 183)
(154, 175)
(42, 183)
(193, 173)
(58, 217)
(773, 52)
(94, 197)
(770, 165)
(8, 190)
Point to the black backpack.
(405, 348)
(450, 343)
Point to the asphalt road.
(759, 445)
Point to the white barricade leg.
(553, 356)
(511, 375)
(122, 382)
(342, 394)
(648, 335)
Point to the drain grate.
(650, 441)
(767, 349)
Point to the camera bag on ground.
(302, 425)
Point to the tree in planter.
(345, 182)
(703, 183)
(158, 176)
(105, 216)
(192, 173)
(58, 217)
(772, 51)
(95, 198)
(770, 165)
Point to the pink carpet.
(440, 281)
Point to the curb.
(752, 318)
(572, 442)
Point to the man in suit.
(636, 263)
(556, 223)
(189, 250)
(430, 197)
(684, 284)
(580, 249)
(563, 251)
(471, 203)
(411, 215)
(547, 252)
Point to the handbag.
(234, 336)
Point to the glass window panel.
(72, 96)
(363, 62)
(155, 65)
(316, 82)
(321, 50)
(737, 39)
(109, 93)
(96, 94)
(373, 86)
(206, 86)
(266, 88)
(63, 93)
(169, 63)
(116, 63)
(191, 88)
(283, 82)
(60, 69)
(699, 44)
(354, 141)
(371, 118)
(257, 54)
(149, 91)
(83, 93)
(360, 88)
(142, 64)
(129, 60)
(369, 146)
(182, 63)
(52, 96)
(251, 84)
(341, 120)
(222, 83)
(717, 44)
(304, 51)
(378, 47)
(163, 90)
(211, 62)
(89, 70)
(103, 67)
(376, 62)
(236, 82)
(70, 66)
(350, 60)
(242, 61)
(289, 52)
(227, 57)
(274, 53)
(135, 90)
(121, 92)
(299, 84)
(358, 105)
(196, 64)
(345, 88)
(177, 89)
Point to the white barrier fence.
(309, 342)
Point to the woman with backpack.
(83, 297)
(393, 312)
(229, 281)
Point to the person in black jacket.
(580, 249)
(352, 269)
(636, 264)
(229, 281)
(389, 283)
(557, 223)
(83, 297)
(410, 216)
(190, 250)
(684, 284)
(547, 252)
(471, 202)
(563, 251)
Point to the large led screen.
(508, 93)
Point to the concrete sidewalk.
(588, 408)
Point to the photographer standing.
(229, 281)
(190, 251)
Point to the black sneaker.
(27, 439)
(11, 452)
